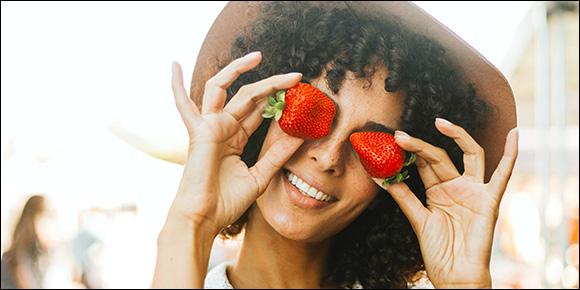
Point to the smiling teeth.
(306, 189)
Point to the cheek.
(362, 192)
(359, 183)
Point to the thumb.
(408, 202)
(274, 159)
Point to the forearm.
(183, 251)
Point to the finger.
(503, 172)
(215, 93)
(273, 160)
(426, 172)
(435, 156)
(247, 98)
(408, 202)
(186, 107)
(473, 154)
(253, 120)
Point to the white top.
(217, 278)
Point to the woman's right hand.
(217, 187)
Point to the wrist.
(483, 283)
(470, 285)
(189, 229)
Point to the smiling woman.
(312, 214)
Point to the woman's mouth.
(303, 194)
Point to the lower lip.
(299, 199)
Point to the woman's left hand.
(455, 229)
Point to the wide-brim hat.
(489, 82)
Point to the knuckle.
(236, 62)
(255, 99)
(271, 87)
(212, 82)
(440, 151)
(506, 172)
(480, 151)
(462, 132)
(267, 83)
(238, 70)
(270, 160)
(421, 163)
(175, 84)
(245, 90)
(235, 67)
(270, 83)
(276, 78)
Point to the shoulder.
(217, 278)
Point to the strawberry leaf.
(389, 180)
(281, 95)
(275, 106)
(410, 160)
(396, 178)
(279, 106)
(268, 115)
(271, 101)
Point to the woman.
(382, 75)
(22, 263)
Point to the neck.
(269, 260)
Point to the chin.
(293, 227)
(286, 219)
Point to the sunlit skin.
(286, 246)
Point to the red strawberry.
(302, 111)
(381, 156)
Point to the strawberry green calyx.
(412, 157)
(401, 175)
(275, 106)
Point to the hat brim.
(489, 82)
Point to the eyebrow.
(374, 126)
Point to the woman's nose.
(328, 154)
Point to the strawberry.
(302, 111)
(381, 156)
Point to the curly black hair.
(379, 249)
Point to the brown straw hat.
(488, 81)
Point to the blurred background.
(91, 133)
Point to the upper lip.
(313, 182)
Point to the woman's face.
(330, 165)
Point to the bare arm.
(183, 251)
(217, 187)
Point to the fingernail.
(174, 65)
(401, 135)
(516, 132)
(253, 54)
(294, 74)
(443, 121)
